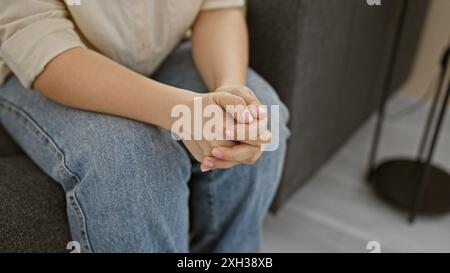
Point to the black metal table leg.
(415, 184)
(424, 174)
(386, 91)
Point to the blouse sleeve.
(219, 4)
(32, 33)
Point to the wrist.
(183, 106)
(229, 83)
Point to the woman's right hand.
(241, 142)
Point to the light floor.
(337, 210)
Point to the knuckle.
(227, 165)
(247, 89)
(251, 161)
(254, 151)
(250, 92)
(228, 156)
(240, 100)
(226, 90)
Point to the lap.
(127, 165)
(68, 143)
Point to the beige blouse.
(138, 34)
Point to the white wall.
(434, 38)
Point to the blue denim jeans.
(130, 187)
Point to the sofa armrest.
(328, 61)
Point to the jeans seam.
(63, 169)
(79, 211)
(211, 203)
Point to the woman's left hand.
(249, 96)
(241, 153)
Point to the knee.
(132, 184)
(133, 158)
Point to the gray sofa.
(328, 61)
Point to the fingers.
(223, 143)
(237, 153)
(264, 139)
(241, 91)
(210, 163)
(255, 133)
(194, 148)
(258, 111)
(228, 155)
(234, 106)
(253, 159)
(253, 103)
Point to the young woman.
(87, 91)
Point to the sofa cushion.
(7, 145)
(32, 209)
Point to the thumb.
(234, 106)
(253, 103)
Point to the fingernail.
(208, 163)
(253, 110)
(204, 169)
(217, 153)
(229, 133)
(247, 116)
